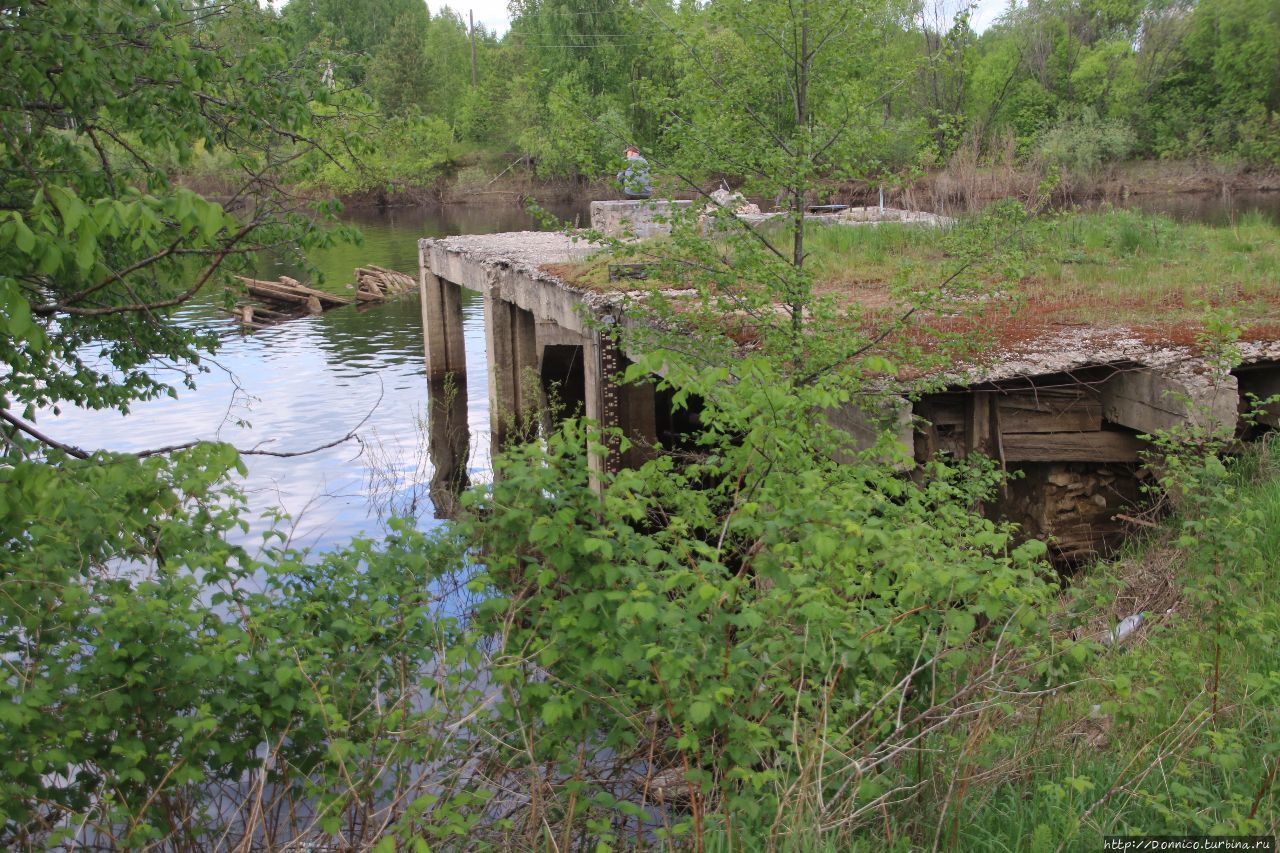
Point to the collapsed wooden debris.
(377, 284)
(271, 302)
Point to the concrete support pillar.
(448, 435)
(601, 362)
(981, 424)
(441, 324)
(612, 405)
(514, 389)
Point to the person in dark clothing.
(635, 178)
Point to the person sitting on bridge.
(635, 178)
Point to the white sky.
(494, 16)
(491, 14)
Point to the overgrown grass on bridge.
(1114, 267)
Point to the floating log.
(290, 290)
(288, 299)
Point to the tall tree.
(400, 72)
(358, 29)
(781, 95)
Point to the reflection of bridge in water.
(1067, 413)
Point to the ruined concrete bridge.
(1066, 411)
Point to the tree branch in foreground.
(81, 453)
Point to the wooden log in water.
(290, 290)
(271, 314)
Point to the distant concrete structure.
(635, 218)
(652, 217)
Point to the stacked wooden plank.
(1032, 425)
(377, 284)
(1078, 472)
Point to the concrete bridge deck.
(1066, 409)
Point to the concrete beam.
(448, 442)
(1150, 401)
(1098, 446)
(602, 361)
(865, 423)
(543, 295)
(553, 334)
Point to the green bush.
(761, 627)
(399, 153)
(139, 694)
(1081, 146)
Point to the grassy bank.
(1175, 730)
(969, 183)
(1013, 278)
(1108, 267)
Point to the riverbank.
(967, 184)
(961, 184)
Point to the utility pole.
(471, 16)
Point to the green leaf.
(699, 711)
(23, 238)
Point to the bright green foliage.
(149, 665)
(1080, 146)
(1176, 730)
(356, 29)
(400, 75)
(596, 40)
(765, 627)
(137, 663)
(1185, 79)
(1224, 91)
(751, 615)
(572, 137)
(574, 80)
(386, 155)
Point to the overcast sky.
(493, 13)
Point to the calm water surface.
(307, 382)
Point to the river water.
(307, 382)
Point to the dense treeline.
(1066, 83)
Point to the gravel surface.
(519, 249)
(1077, 348)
